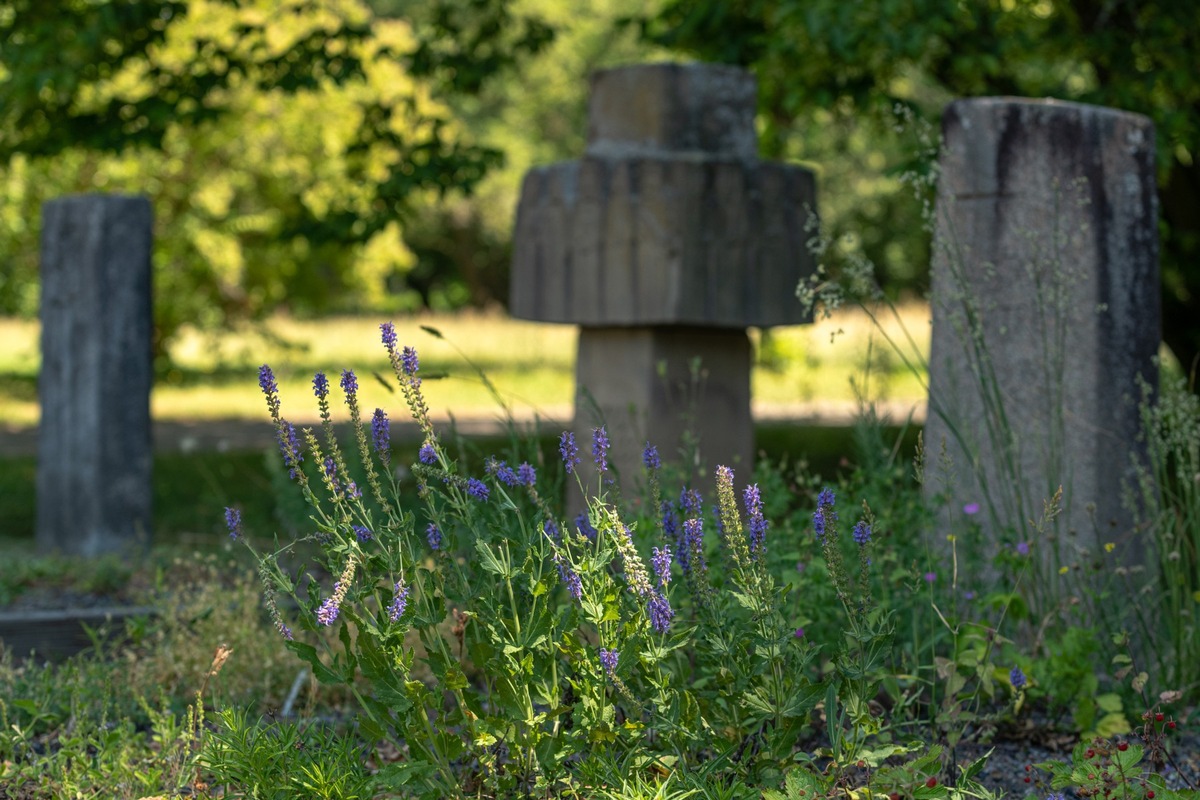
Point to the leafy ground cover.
(460, 632)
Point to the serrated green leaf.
(309, 654)
(802, 700)
(757, 701)
(1112, 725)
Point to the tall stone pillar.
(664, 243)
(1046, 311)
(94, 453)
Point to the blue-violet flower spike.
(478, 489)
(320, 385)
(569, 451)
(408, 361)
(349, 383)
(389, 335)
(600, 448)
(650, 457)
(233, 521)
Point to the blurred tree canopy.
(282, 142)
(823, 63)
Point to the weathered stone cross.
(664, 243)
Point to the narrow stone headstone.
(665, 242)
(1046, 295)
(94, 449)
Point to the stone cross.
(664, 243)
(1046, 311)
(94, 454)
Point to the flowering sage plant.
(508, 648)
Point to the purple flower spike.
(399, 601)
(233, 521)
(569, 577)
(662, 565)
(1017, 678)
(506, 475)
(650, 457)
(320, 385)
(825, 513)
(526, 474)
(569, 451)
(266, 380)
(434, 535)
(408, 361)
(608, 660)
(661, 613)
(600, 448)
(381, 433)
(690, 501)
(327, 614)
(363, 534)
(478, 489)
(757, 522)
(349, 383)
(289, 447)
(693, 545)
(389, 335)
(862, 533)
(427, 454)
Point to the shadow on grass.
(191, 490)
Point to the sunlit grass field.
(529, 365)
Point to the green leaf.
(975, 767)
(1112, 725)
(802, 700)
(758, 701)
(309, 653)
(370, 730)
(455, 679)
(745, 601)
(489, 560)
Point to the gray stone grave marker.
(664, 243)
(1046, 293)
(94, 453)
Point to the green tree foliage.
(282, 141)
(823, 61)
(539, 117)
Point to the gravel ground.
(1005, 770)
